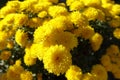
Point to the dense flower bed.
(60, 40)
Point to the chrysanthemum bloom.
(7, 10)
(116, 33)
(93, 3)
(77, 5)
(106, 62)
(41, 6)
(3, 76)
(5, 55)
(115, 10)
(78, 19)
(9, 19)
(87, 32)
(117, 74)
(115, 22)
(115, 70)
(38, 50)
(69, 2)
(27, 5)
(57, 60)
(112, 50)
(26, 75)
(42, 14)
(57, 11)
(73, 73)
(21, 38)
(107, 1)
(53, 1)
(10, 44)
(3, 36)
(91, 13)
(29, 59)
(13, 72)
(99, 72)
(96, 41)
(3, 39)
(88, 76)
(51, 36)
(34, 22)
(20, 20)
(61, 23)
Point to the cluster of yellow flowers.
(56, 28)
(17, 72)
(111, 60)
(98, 72)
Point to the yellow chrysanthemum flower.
(87, 32)
(61, 23)
(62, 4)
(112, 50)
(53, 36)
(3, 76)
(6, 29)
(73, 73)
(101, 15)
(93, 3)
(26, 75)
(57, 11)
(13, 72)
(99, 72)
(21, 38)
(115, 70)
(115, 9)
(77, 5)
(57, 60)
(7, 10)
(41, 33)
(41, 6)
(5, 55)
(9, 19)
(18, 62)
(107, 6)
(10, 44)
(29, 59)
(3, 39)
(15, 4)
(78, 18)
(42, 14)
(69, 2)
(96, 41)
(117, 74)
(88, 76)
(3, 36)
(116, 33)
(91, 13)
(107, 1)
(53, 1)
(38, 50)
(20, 19)
(34, 22)
(29, 6)
(115, 22)
(3, 45)
(105, 60)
